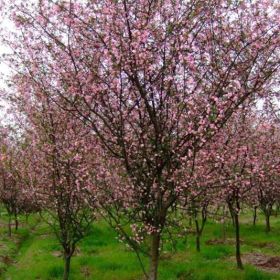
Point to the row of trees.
(137, 110)
(68, 181)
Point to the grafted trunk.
(9, 226)
(267, 210)
(198, 243)
(68, 253)
(199, 228)
(232, 213)
(67, 261)
(154, 258)
(224, 224)
(267, 222)
(237, 243)
(255, 216)
(198, 233)
(16, 222)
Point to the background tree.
(12, 184)
(266, 167)
(59, 168)
(233, 157)
(155, 81)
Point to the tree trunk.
(67, 260)
(232, 213)
(198, 243)
(16, 222)
(255, 216)
(197, 235)
(154, 259)
(237, 241)
(9, 227)
(267, 222)
(224, 225)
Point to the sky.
(3, 105)
(7, 25)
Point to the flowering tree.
(198, 208)
(266, 168)
(196, 199)
(155, 81)
(58, 167)
(10, 197)
(243, 161)
(11, 181)
(233, 156)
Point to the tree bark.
(154, 258)
(255, 216)
(16, 222)
(198, 243)
(67, 260)
(267, 222)
(237, 243)
(224, 224)
(197, 235)
(232, 213)
(9, 227)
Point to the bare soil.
(6, 260)
(228, 241)
(264, 262)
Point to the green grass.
(100, 256)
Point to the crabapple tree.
(59, 167)
(154, 80)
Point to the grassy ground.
(33, 253)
